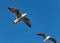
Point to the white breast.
(23, 15)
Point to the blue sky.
(44, 16)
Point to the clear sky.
(44, 16)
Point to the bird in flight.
(19, 16)
(47, 38)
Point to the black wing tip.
(8, 7)
(37, 34)
(30, 26)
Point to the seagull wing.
(15, 11)
(52, 39)
(43, 35)
(26, 20)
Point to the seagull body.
(47, 38)
(19, 16)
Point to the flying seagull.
(19, 16)
(47, 38)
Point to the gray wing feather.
(26, 20)
(52, 39)
(43, 35)
(15, 11)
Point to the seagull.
(19, 16)
(47, 38)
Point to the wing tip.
(8, 7)
(30, 26)
(37, 34)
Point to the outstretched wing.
(52, 39)
(43, 35)
(26, 20)
(15, 11)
